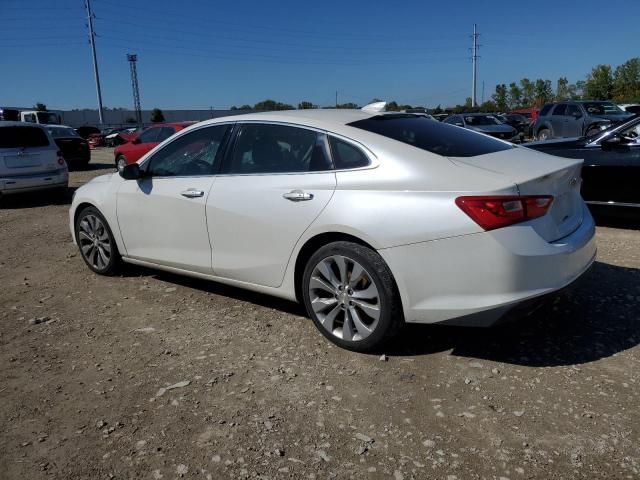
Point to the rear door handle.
(298, 196)
(192, 193)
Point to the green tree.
(599, 84)
(626, 81)
(304, 105)
(491, 106)
(157, 116)
(499, 98)
(543, 92)
(437, 110)
(578, 93)
(528, 92)
(348, 105)
(245, 107)
(515, 96)
(392, 107)
(41, 107)
(270, 105)
(468, 102)
(562, 89)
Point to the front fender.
(101, 194)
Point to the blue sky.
(201, 54)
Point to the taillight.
(60, 157)
(491, 212)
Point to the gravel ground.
(150, 375)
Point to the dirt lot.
(150, 375)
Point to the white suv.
(30, 159)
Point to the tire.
(362, 315)
(544, 134)
(121, 162)
(96, 243)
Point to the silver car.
(371, 220)
(30, 160)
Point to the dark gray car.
(577, 119)
(484, 123)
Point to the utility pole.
(474, 60)
(92, 41)
(482, 101)
(336, 98)
(133, 58)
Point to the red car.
(134, 150)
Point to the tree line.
(621, 84)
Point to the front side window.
(434, 137)
(30, 117)
(164, 133)
(149, 136)
(481, 120)
(346, 155)
(270, 148)
(192, 154)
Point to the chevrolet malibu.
(369, 219)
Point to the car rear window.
(22, 137)
(439, 138)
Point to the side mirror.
(131, 172)
(136, 141)
(611, 142)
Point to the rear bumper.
(30, 183)
(475, 280)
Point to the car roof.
(329, 119)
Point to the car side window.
(545, 110)
(271, 148)
(573, 110)
(194, 153)
(346, 155)
(560, 109)
(164, 133)
(149, 136)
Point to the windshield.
(435, 137)
(48, 117)
(59, 132)
(481, 120)
(603, 108)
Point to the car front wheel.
(95, 240)
(350, 295)
(121, 162)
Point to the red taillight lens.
(499, 211)
(60, 157)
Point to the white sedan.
(369, 219)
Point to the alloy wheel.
(344, 298)
(94, 242)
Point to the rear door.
(574, 121)
(275, 182)
(26, 150)
(558, 120)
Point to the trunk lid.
(535, 173)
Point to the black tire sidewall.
(114, 261)
(391, 312)
(548, 132)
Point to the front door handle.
(298, 196)
(192, 193)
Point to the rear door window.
(149, 136)
(165, 132)
(23, 137)
(433, 137)
(272, 148)
(560, 109)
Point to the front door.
(274, 184)
(574, 121)
(162, 215)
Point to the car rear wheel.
(592, 130)
(544, 134)
(121, 162)
(95, 240)
(350, 295)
